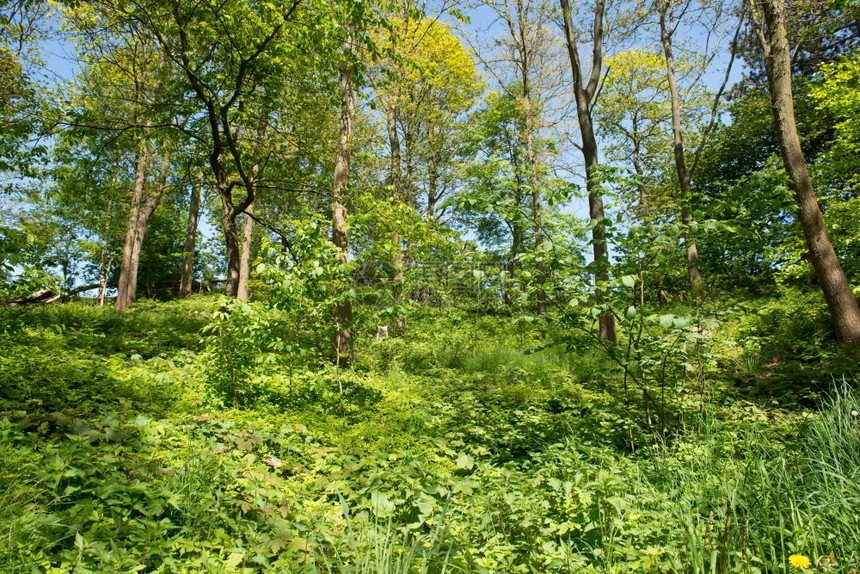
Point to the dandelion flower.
(799, 561)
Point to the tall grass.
(379, 546)
(750, 511)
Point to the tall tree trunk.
(408, 184)
(534, 184)
(248, 227)
(397, 186)
(432, 189)
(584, 94)
(105, 262)
(143, 204)
(343, 310)
(666, 29)
(843, 306)
(190, 241)
(638, 169)
(231, 243)
(102, 292)
(511, 261)
(141, 165)
(127, 285)
(229, 212)
(245, 261)
(150, 203)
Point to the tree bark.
(186, 282)
(534, 184)
(408, 183)
(843, 306)
(231, 243)
(105, 262)
(126, 289)
(150, 203)
(143, 204)
(397, 186)
(432, 189)
(245, 262)
(511, 262)
(343, 310)
(248, 227)
(666, 28)
(584, 93)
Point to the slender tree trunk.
(538, 235)
(229, 212)
(843, 306)
(105, 262)
(343, 310)
(637, 166)
(190, 241)
(511, 262)
(408, 183)
(231, 242)
(432, 189)
(150, 203)
(666, 28)
(584, 94)
(245, 261)
(102, 292)
(534, 184)
(143, 205)
(397, 185)
(248, 227)
(409, 158)
(127, 285)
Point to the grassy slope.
(450, 442)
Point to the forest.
(430, 286)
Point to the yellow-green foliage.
(469, 443)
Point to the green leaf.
(382, 507)
(465, 462)
(141, 421)
(666, 321)
(629, 281)
(630, 313)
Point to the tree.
(497, 187)
(343, 154)
(116, 94)
(248, 226)
(666, 13)
(22, 26)
(634, 118)
(844, 311)
(144, 200)
(227, 56)
(526, 65)
(584, 91)
(187, 277)
(426, 85)
(819, 31)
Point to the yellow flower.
(799, 561)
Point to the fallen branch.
(46, 296)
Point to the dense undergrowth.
(466, 442)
